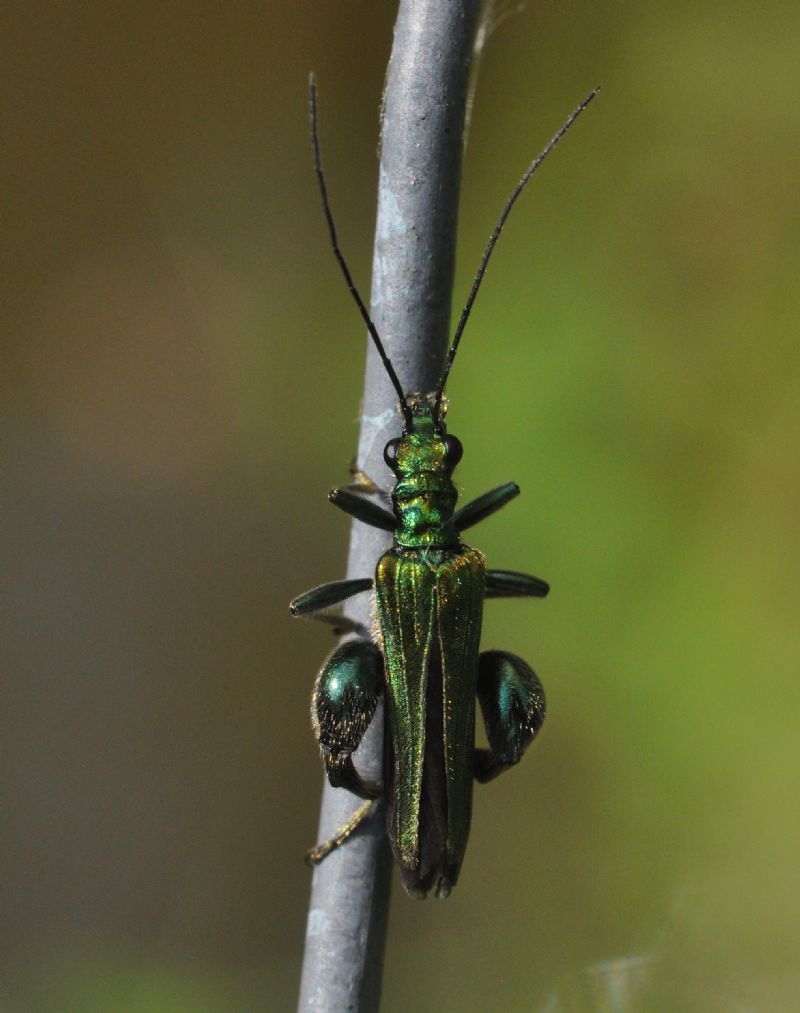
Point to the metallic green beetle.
(429, 591)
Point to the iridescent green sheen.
(424, 496)
(431, 604)
(429, 594)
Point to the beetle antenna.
(493, 240)
(323, 189)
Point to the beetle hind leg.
(513, 706)
(315, 855)
(346, 694)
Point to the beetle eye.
(453, 450)
(390, 453)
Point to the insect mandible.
(429, 590)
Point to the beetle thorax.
(424, 496)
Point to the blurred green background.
(181, 376)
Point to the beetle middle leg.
(322, 597)
(340, 623)
(510, 584)
(513, 705)
(315, 604)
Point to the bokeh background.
(181, 375)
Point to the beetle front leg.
(362, 509)
(484, 506)
(353, 499)
(345, 697)
(513, 705)
(364, 484)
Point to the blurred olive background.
(181, 376)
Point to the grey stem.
(412, 279)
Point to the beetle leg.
(315, 855)
(345, 696)
(363, 483)
(484, 506)
(512, 701)
(328, 594)
(340, 623)
(510, 584)
(362, 509)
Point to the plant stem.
(412, 279)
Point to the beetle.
(424, 655)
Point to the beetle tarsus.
(315, 855)
(364, 484)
